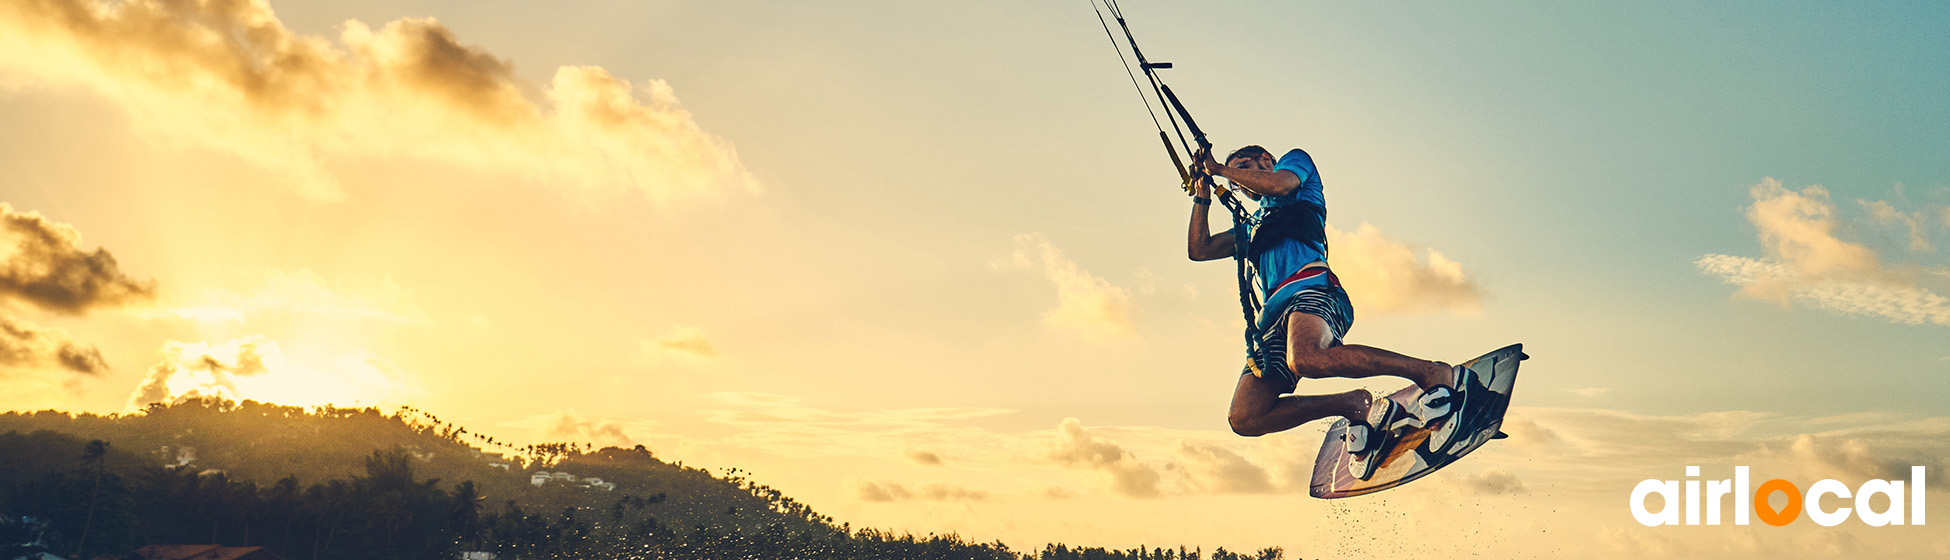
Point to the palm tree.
(96, 455)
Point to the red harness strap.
(1309, 272)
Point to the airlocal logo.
(1717, 491)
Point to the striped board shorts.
(1318, 294)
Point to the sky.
(921, 265)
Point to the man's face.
(1259, 162)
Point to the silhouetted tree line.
(86, 499)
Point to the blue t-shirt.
(1287, 256)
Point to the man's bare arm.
(1271, 182)
(1200, 244)
(1277, 182)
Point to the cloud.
(687, 343)
(1077, 447)
(228, 76)
(1219, 470)
(1384, 276)
(889, 492)
(1494, 481)
(1590, 392)
(929, 458)
(193, 370)
(1798, 228)
(1889, 298)
(1527, 432)
(303, 292)
(1807, 263)
(256, 368)
(568, 427)
(880, 492)
(27, 347)
(1086, 304)
(1916, 223)
(44, 265)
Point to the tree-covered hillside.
(356, 483)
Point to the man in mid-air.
(1305, 314)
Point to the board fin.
(1500, 435)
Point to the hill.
(356, 483)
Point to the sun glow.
(356, 379)
(257, 368)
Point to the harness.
(1302, 222)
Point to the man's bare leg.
(1312, 354)
(1258, 409)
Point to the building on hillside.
(493, 459)
(477, 556)
(204, 552)
(543, 477)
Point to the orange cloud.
(569, 427)
(888, 492)
(1077, 447)
(1219, 470)
(228, 76)
(1086, 304)
(689, 342)
(1385, 276)
(1807, 262)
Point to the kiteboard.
(1407, 455)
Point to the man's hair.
(1248, 152)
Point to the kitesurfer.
(1306, 311)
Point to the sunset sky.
(921, 265)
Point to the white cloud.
(1086, 304)
(1889, 298)
(228, 76)
(1386, 276)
